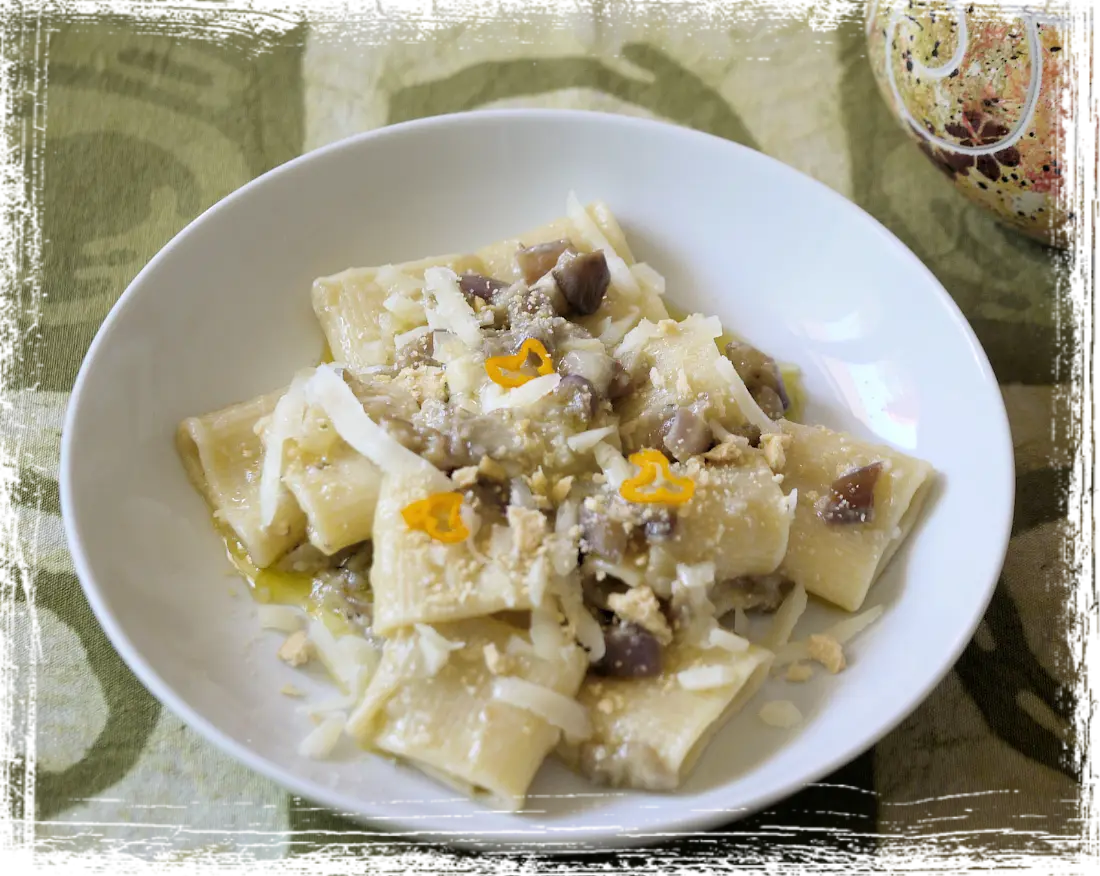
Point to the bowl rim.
(679, 823)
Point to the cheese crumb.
(827, 651)
(528, 529)
(561, 489)
(683, 385)
(289, 690)
(774, 445)
(728, 452)
(639, 605)
(605, 706)
(799, 671)
(497, 663)
(491, 469)
(538, 483)
(296, 650)
(780, 713)
(465, 477)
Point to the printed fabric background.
(149, 123)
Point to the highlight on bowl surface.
(525, 509)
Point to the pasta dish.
(523, 510)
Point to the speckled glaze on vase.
(983, 98)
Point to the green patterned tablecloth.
(139, 125)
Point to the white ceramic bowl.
(223, 313)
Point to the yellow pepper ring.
(505, 370)
(425, 515)
(652, 463)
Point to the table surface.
(148, 122)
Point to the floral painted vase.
(983, 96)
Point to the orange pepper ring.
(422, 515)
(496, 366)
(650, 462)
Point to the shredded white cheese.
(537, 578)
(332, 706)
(842, 632)
(285, 423)
(636, 338)
(329, 392)
(742, 397)
(320, 742)
(851, 627)
(554, 708)
(406, 338)
(582, 442)
(594, 565)
(397, 282)
(567, 517)
(615, 466)
(786, 616)
(451, 311)
(696, 323)
(720, 638)
(707, 677)
(612, 331)
(586, 627)
(691, 597)
(494, 397)
(591, 234)
(405, 309)
(649, 279)
(518, 647)
(435, 649)
(780, 713)
(284, 618)
(547, 637)
(741, 622)
(792, 503)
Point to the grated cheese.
(405, 309)
(741, 395)
(595, 565)
(636, 338)
(649, 279)
(786, 616)
(337, 662)
(585, 627)
(851, 627)
(284, 618)
(720, 638)
(518, 647)
(591, 234)
(406, 338)
(792, 503)
(320, 741)
(614, 465)
(696, 323)
(435, 649)
(396, 282)
(554, 708)
(331, 394)
(707, 677)
(780, 713)
(842, 632)
(494, 398)
(451, 311)
(690, 596)
(582, 442)
(741, 622)
(612, 331)
(547, 637)
(285, 422)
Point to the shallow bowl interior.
(223, 314)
